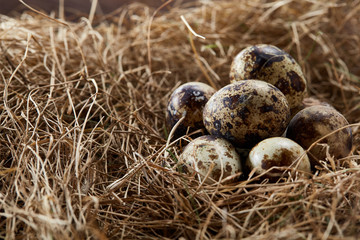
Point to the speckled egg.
(205, 151)
(188, 100)
(277, 152)
(273, 65)
(308, 102)
(312, 123)
(246, 112)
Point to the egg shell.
(312, 123)
(277, 152)
(308, 102)
(273, 65)
(188, 99)
(247, 112)
(202, 152)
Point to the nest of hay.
(83, 147)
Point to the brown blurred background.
(74, 7)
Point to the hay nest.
(84, 152)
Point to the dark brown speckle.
(297, 82)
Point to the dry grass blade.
(84, 153)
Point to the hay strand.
(84, 153)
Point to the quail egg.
(188, 100)
(308, 102)
(273, 65)
(277, 152)
(211, 153)
(312, 123)
(246, 112)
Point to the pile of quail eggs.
(261, 112)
